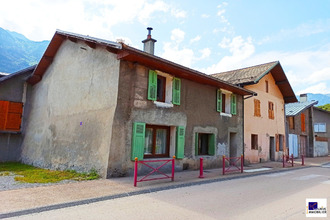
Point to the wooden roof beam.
(91, 44)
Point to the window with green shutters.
(152, 85)
(180, 137)
(157, 85)
(233, 104)
(138, 140)
(219, 100)
(204, 144)
(176, 91)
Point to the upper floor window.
(303, 124)
(164, 88)
(271, 110)
(226, 102)
(257, 108)
(291, 122)
(266, 84)
(10, 115)
(254, 142)
(320, 127)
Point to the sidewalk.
(30, 200)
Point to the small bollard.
(302, 160)
(201, 173)
(223, 164)
(292, 158)
(242, 161)
(173, 167)
(283, 161)
(135, 170)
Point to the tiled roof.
(295, 108)
(246, 75)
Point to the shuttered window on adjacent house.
(303, 125)
(291, 122)
(219, 100)
(138, 140)
(257, 108)
(10, 115)
(152, 85)
(271, 114)
(204, 144)
(233, 106)
(254, 142)
(176, 91)
(180, 137)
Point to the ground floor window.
(156, 141)
(254, 141)
(205, 144)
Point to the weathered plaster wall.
(10, 142)
(197, 113)
(80, 86)
(263, 126)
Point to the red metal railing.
(154, 170)
(201, 170)
(233, 164)
(287, 160)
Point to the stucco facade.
(265, 128)
(197, 113)
(70, 124)
(13, 88)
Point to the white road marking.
(326, 182)
(279, 174)
(256, 170)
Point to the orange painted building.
(264, 114)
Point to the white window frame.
(320, 127)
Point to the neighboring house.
(13, 95)
(321, 120)
(264, 116)
(299, 117)
(99, 104)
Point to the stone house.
(13, 96)
(299, 117)
(99, 104)
(321, 122)
(264, 115)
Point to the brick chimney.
(149, 43)
(303, 97)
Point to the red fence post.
(223, 164)
(283, 161)
(135, 170)
(201, 168)
(292, 158)
(302, 160)
(242, 163)
(173, 167)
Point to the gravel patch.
(9, 183)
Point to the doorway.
(303, 140)
(272, 148)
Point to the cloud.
(205, 16)
(177, 35)
(38, 19)
(321, 88)
(195, 39)
(239, 49)
(221, 13)
(206, 52)
(302, 30)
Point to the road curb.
(139, 192)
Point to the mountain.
(17, 52)
(321, 98)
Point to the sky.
(209, 36)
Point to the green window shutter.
(138, 140)
(196, 143)
(233, 104)
(176, 91)
(211, 144)
(219, 100)
(180, 136)
(152, 85)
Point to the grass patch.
(31, 174)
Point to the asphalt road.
(272, 196)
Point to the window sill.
(163, 104)
(225, 114)
(10, 132)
